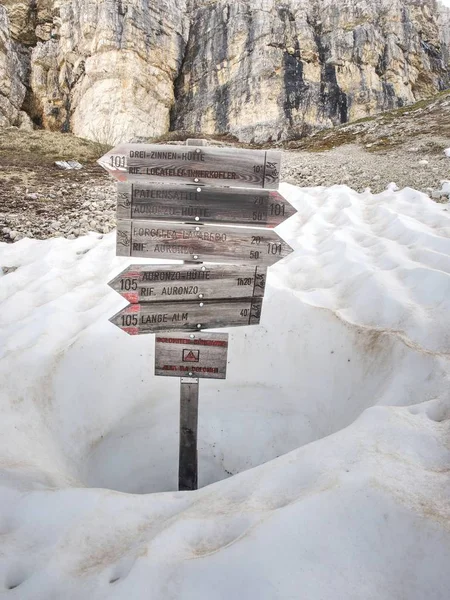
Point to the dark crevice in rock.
(286, 14)
(294, 84)
(178, 83)
(250, 44)
(122, 10)
(73, 76)
(185, 97)
(381, 67)
(436, 57)
(222, 92)
(23, 53)
(390, 97)
(222, 102)
(334, 103)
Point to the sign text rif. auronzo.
(242, 245)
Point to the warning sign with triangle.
(191, 355)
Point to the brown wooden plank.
(202, 165)
(181, 203)
(181, 354)
(188, 461)
(137, 319)
(158, 283)
(207, 243)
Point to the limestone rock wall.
(12, 74)
(262, 70)
(265, 70)
(103, 69)
(117, 65)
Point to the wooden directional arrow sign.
(207, 243)
(137, 319)
(204, 204)
(157, 283)
(201, 165)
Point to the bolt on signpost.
(170, 200)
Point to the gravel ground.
(38, 200)
(352, 165)
(71, 208)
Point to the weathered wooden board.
(183, 203)
(206, 243)
(200, 354)
(202, 165)
(158, 283)
(137, 319)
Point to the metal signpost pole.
(188, 459)
(188, 463)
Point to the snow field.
(353, 344)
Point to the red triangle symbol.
(190, 357)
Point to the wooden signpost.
(180, 203)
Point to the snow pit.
(354, 341)
(301, 376)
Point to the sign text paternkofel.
(181, 203)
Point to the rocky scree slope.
(38, 200)
(261, 70)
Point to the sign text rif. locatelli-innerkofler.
(223, 167)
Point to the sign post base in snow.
(190, 356)
(172, 203)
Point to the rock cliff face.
(270, 70)
(259, 69)
(102, 69)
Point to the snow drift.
(352, 354)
